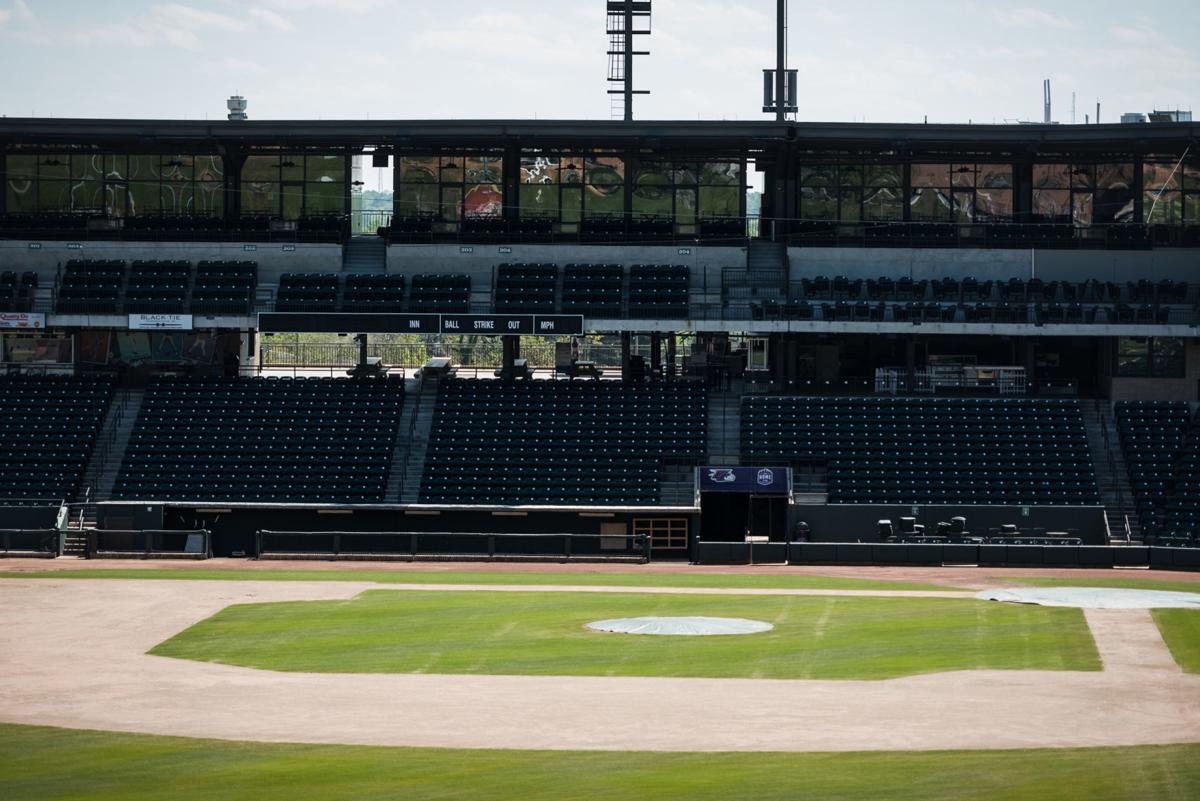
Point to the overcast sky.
(874, 61)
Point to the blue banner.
(757, 480)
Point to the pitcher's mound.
(680, 626)
(1095, 598)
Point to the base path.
(73, 654)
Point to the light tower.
(779, 84)
(626, 19)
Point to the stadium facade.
(924, 322)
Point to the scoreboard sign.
(474, 324)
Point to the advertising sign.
(160, 322)
(22, 320)
(754, 480)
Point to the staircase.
(1112, 475)
(81, 517)
(810, 484)
(364, 254)
(412, 439)
(724, 429)
(764, 279)
(100, 472)
(765, 258)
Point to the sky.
(453, 59)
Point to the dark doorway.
(731, 516)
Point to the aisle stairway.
(1112, 475)
(412, 438)
(364, 254)
(724, 428)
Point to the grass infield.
(1121, 582)
(597, 579)
(532, 633)
(45, 764)
(1181, 630)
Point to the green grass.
(1122, 582)
(44, 764)
(1181, 630)
(597, 579)
(532, 633)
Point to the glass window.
(933, 176)
(1113, 198)
(417, 169)
(20, 184)
(720, 201)
(417, 199)
(720, 173)
(1146, 357)
(538, 196)
(1133, 356)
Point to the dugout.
(444, 531)
(741, 502)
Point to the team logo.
(721, 475)
(765, 477)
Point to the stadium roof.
(580, 133)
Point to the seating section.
(307, 292)
(658, 290)
(1182, 522)
(969, 300)
(91, 287)
(1161, 444)
(1152, 436)
(47, 432)
(225, 287)
(559, 442)
(8, 291)
(593, 290)
(440, 293)
(158, 287)
(525, 288)
(253, 440)
(1015, 452)
(373, 293)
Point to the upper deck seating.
(526, 288)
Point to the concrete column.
(656, 353)
(508, 344)
(669, 373)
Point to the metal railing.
(369, 221)
(149, 542)
(480, 545)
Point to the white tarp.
(1096, 597)
(681, 626)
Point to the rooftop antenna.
(1046, 100)
(623, 19)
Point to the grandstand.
(575, 328)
